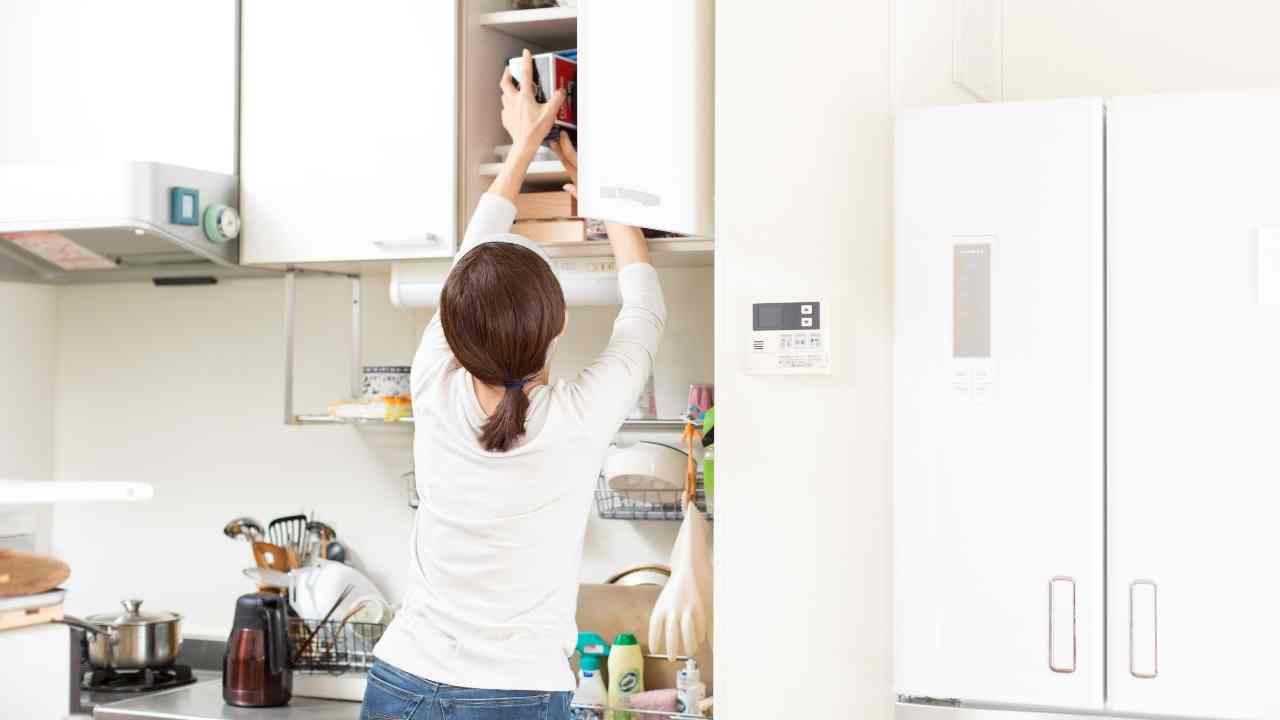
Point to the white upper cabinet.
(1194, 306)
(999, 404)
(646, 113)
(348, 130)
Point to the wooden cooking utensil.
(270, 557)
(24, 573)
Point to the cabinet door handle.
(1144, 630)
(640, 197)
(427, 240)
(1062, 614)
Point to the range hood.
(84, 224)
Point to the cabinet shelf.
(639, 426)
(552, 28)
(646, 714)
(362, 422)
(665, 252)
(540, 171)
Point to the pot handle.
(89, 628)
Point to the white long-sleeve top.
(497, 538)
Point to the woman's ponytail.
(501, 308)
(506, 424)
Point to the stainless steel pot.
(132, 640)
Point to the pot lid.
(133, 615)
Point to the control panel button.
(184, 206)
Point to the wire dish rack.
(646, 504)
(337, 648)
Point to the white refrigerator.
(1087, 406)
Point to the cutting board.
(24, 573)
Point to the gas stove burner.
(124, 681)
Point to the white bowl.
(629, 469)
(318, 586)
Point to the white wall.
(182, 388)
(1092, 47)
(1135, 47)
(26, 400)
(923, 54)
(803, 494)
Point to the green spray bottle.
(592, 649)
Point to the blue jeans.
(393, 694)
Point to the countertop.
(203, 701)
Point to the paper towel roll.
(418, 285)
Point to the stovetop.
(99, 687)
(90, 698)
(136, 681)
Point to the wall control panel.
(790, 337)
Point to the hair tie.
(514, 384)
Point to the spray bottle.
(591, 688)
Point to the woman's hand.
(526, 120)
(563, 148)
(629, 245)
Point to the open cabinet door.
(646, 113)
(1193, 397)
(999, 404)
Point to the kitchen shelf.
(363, 422)
(552, 28)
(540, 171)
(665, 252)
(672, 425)
(638, 426)
(618, 712)
(646, 504)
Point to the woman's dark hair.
(501, 307)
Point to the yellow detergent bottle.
(626, 674)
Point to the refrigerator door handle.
(1063, 648)
(1143, 663)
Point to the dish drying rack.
(646, 504)
(338, 647)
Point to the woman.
(506, 461)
